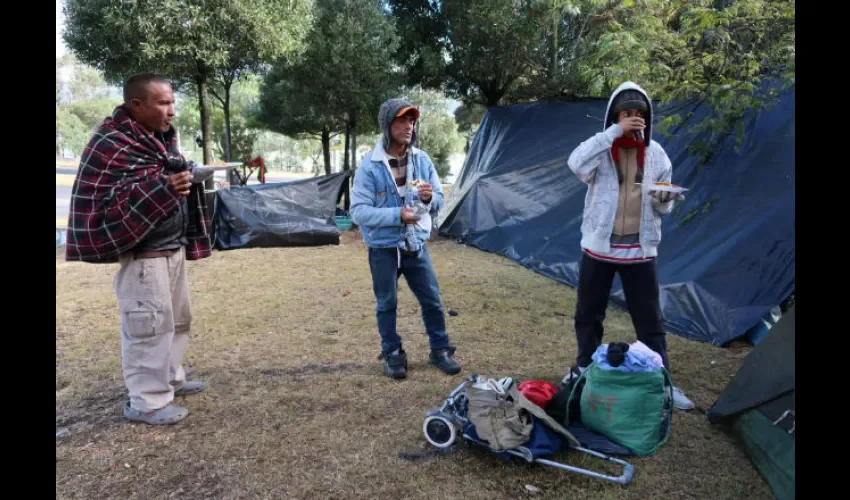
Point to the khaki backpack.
(502, 415)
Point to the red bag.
(538, 392)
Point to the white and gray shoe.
(574, 373)
(680, 401)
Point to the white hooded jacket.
(593, 164)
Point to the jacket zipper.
(625, 192)
(642, 193)
(611, 156)
(625, 202)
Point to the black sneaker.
(395, 364)
(442, 359)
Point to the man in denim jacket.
(395, 195)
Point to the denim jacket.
(376, 204)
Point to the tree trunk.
(228, 152)
(345, 165)
(355, 161)
(228, 148)
(203, 106)
(326, 149)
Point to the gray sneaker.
(164, 416)
(681, 401)
(190, 387)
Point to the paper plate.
(663, 188)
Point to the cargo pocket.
(140, 318)
(512, 427)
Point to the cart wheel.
(439, 431)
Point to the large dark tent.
(727, 252)
(296, 213)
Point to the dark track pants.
(640, 286)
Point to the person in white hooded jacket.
(621, 226)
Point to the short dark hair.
(136, 87)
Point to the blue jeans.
(419, 274)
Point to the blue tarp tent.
(727, 251)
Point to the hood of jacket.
(610, 118)
(387, 113)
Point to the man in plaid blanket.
(137, 202)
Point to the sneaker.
(164, 416)
(442, 359)
(395, 363)
(190, 388)
(680, 401)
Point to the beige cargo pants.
(156, 315)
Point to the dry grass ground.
(297, 404)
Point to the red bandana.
(628, 143)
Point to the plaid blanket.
(121, 193)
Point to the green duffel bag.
(632, 409)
